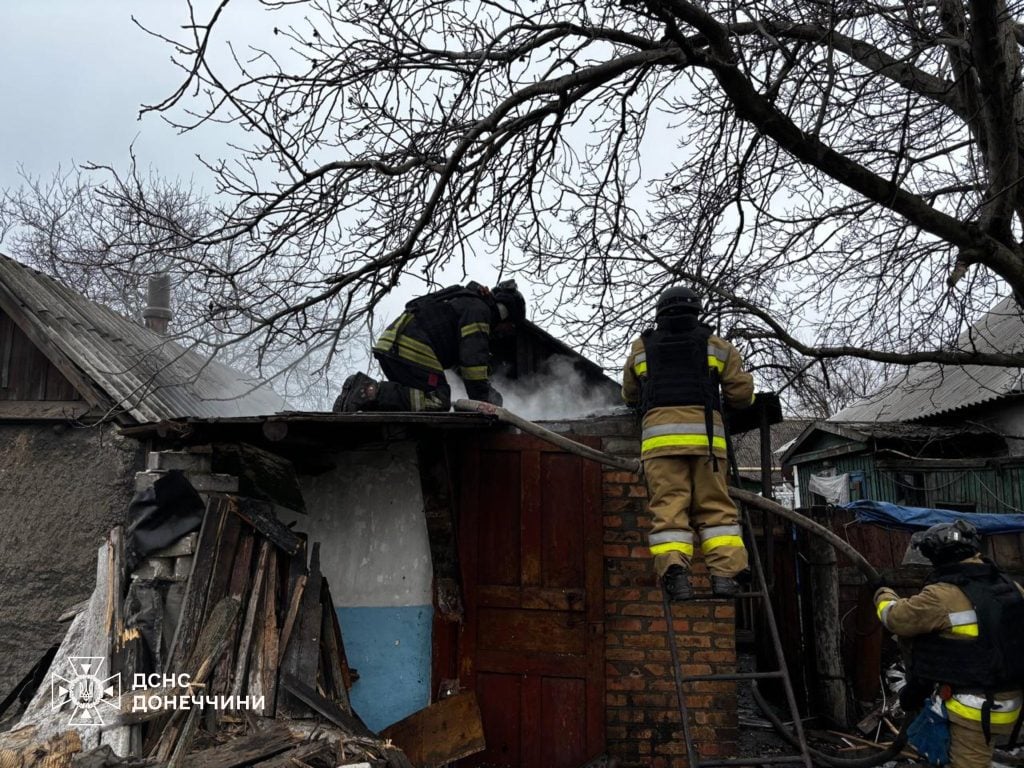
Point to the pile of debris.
(208, 641)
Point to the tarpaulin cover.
(921, 517)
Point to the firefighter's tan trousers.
(689, 502)
(967, 746)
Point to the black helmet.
(677, 300)
(947, 542)
(506, 294)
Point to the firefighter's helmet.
(948, 542)
(677, 300)
(506, 294)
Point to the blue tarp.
(920, 517)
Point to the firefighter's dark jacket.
(946, 646)
(674, 430)
(438, 333)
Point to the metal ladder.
(760, 592)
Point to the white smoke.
(558, 392)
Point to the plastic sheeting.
(835, 489)
(921, 517)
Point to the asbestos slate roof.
(929, 389)
(747, 445)
(120, 365)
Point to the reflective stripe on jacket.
(945, 609)
(449, 333)
(681, 430)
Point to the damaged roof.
(929, 389)
(119, 365)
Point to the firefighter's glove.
(494, 397)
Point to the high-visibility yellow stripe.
(714, 362)
(672, 546)
(721, 541)
(474, 372)
(665, 441)
(470, 328)
(640, 368)
(414, 353)
(968, 630)
(882, 605)
(971, 713)
(416, 344)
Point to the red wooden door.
(532, 647)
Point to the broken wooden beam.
(245, 750)
(449, 730)
(260, 515)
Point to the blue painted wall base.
(390, 648)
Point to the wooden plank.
(207, 651)
(220, 576)
(27, 324)
(327, 709)
(42, 410)
(260, 515)
(334, 638)
(448, 730)
(261, 474)
(194, 602)
(237, 588)
(300, 755)
(6, 349)
(518, 630)
(240, 680)
(293, 612)
(333, 666)
(435, 485)
(263, 673)
(245, 750)
(302, 659)
(531, 524)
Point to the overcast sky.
(75, 73)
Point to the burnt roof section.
(119, 365)
(929, 389)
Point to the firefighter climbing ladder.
(760, 592)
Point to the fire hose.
(752, 500)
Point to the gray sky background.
(75, 73)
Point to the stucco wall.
(368, 516)
(61, 491)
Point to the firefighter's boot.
(676, 583)
(358, 393)
(724, 586)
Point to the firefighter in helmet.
(677, 373)
(450, 328)
(965, 633)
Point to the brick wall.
(642, 715)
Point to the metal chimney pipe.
(157, 313)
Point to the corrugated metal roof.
(929, 389)
(148, 376)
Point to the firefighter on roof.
(677, 374)
(966, 642)
(450, 328)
